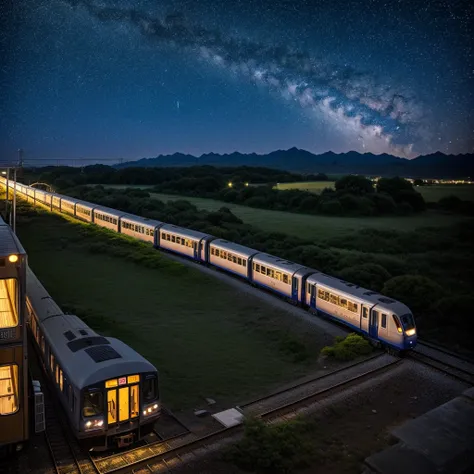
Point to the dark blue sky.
(131, 79)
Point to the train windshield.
(407, 321)
(93, 404)
(8, 303)
(150, 389)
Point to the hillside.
(436, 165)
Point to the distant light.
(246, 184)
(4, 172)
(230, 184)
(13, 258)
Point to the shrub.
(348, 348)
(280, 448)
(332, 206)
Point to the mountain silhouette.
(435, 165)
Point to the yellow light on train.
(410, 332)
(13, 258)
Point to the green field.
(312, 186)
(317, 227)
(436, 192)
(206, 338)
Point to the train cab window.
(365, 312)
(9, 400)
(150, 389)
(93, 404)
(407, 321)
(8, 303)
(384, 320)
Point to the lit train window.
(9, 402)
(133, 379)
(8, 303)
(111, 383)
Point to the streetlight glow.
(230, 184)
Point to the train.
(14, 376)
(384, 321)
(108, 391)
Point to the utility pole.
(6, 195)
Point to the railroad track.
(162, 456)
(444, 360)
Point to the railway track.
(165, 455)
(444, 360)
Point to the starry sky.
(110, 80)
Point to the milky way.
(383, 118)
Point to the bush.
(455, 311)
(332, 206)
(348, 348)
(280, 448)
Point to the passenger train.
(108, 391)
(14, 379)
(382, 320)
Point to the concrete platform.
(229, 417)
(440, 441)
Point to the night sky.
(136, 78)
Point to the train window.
(8, 303)
(263, 270)
(365, 312)
(61, 380)
(285, 279)
(384, 320)
(407, 320)
(244, 263)
(178, 240)
(57, 374)
(9, 396)
(149, 389)
(234, 259)
(239, 260)
(133, 379)
(163, 236)
(134, 401)
(51, 362)
(229, 257)
(173, 238)
(93, 404)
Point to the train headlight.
(151, 409)
(13, 258)
(96, 424)
(410, 332)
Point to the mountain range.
(435, 165)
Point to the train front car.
(14, 422)
(118, 390)
(108, 391)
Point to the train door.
(196, 246)
(123, 400)
(373, 323)
(364, 318)
(294, 288)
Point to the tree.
(419, 182)
(354, 184)
(393, 186)
(367, 275)
(418, 292)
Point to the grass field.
(435, 193)
(206, 338)
(317, 227)
(312, 186)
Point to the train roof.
(193, 234)
(86, 204)
(107, 210)
(281, 264)
(86, 357)
(362, 294)
(9, 242)
(141, 220)
(233, 247)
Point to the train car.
(107, 217)
(56, 202)
(380, 318)
(280, 276)
(43, 197)
(30, 193)
(68, 205)
(14, 421)
(108, 391)
(141, 228)
(187, 242)
(84, 210)
(232, 257)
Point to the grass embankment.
(206, 338)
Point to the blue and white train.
(383, 320)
